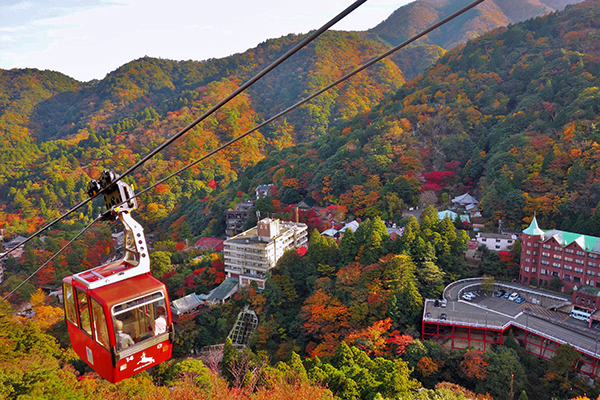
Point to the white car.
(467, 296)
(513, 296)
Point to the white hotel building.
(251, 254)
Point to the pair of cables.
(238, 91)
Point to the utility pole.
(511, 394)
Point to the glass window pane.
(100, 328)
(69, 300)
(84, 312)
(139, 319)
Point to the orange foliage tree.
(325, 317)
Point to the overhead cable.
(317, 93)
(235, 93)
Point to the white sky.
(87, 39)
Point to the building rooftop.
(588, 290)
(465, 199)
(586, 242)
(499, 313)
(496, 235)
(250, 237)
(221, 292)
(185, 304)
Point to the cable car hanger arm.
(120, 201)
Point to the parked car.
(506, 295)
(500, 293)
(428, 315)
(513, 296)
(466, 297)
(443, 316)
(519, 300)
(444, 303)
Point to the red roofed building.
(210, 244)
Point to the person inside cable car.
(160, 323)
(123, 339)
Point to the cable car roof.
(119, 292)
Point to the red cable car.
(118, 315)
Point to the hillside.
(57, 133)
(414, 17)
(512, 117)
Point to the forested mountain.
(511, 116)
(419, 15)
(58, 133)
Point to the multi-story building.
(236, 219)
(496, 241)
(251, 254)
(571, 257)
(264, 190)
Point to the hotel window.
(544, 254)
(556, 265)
(568, 259)
(543, 271)
(556, 257)
(527, 260)
(528, 244)
(579, 270)
(580, 262)
(527, 252)
(533, 269)
(557, 248)
(576, 279)
(567, 268)
(591, 273)
(569, 251)
(535, 253)
(536, 245)
(526, 269)
(592, 255)
(580, 253)
(566, 277)
(546, 246)
(545, 262)
(555, 274)
(592, 264)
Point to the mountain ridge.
(414, 17)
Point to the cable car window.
(84, 312)
(69, 300)
(100, 328)
(139, 319)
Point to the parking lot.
(498, 313)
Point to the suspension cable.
(51, 258)
(317, 93)
(235, 93)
